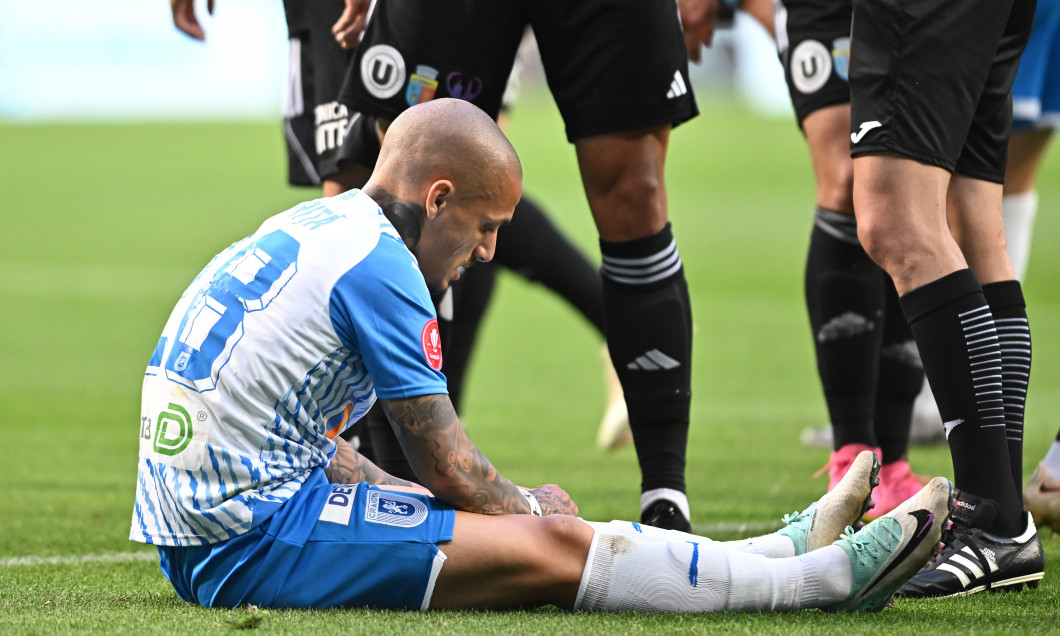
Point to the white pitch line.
(708, 529)
(78, 559)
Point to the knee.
(878, 238)
(567, 540)
(835, 188)
(629, 207)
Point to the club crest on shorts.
(422, 85)
(432, 344)
(393, 509)
(382, 71)
(841, 57)
(811, 65)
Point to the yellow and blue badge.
(422, 85)
(841, 57)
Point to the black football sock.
(470, 298)
(958, 345)
(534, 248)
(1014, 334)
(386, 450)
(845, 300)
(648, 323)
(901, 378)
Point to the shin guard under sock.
(534, 248)
(901, 379)
(958, 344)
(845, 301)
(1014, 335)
(648, 323)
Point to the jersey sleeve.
(381, 309)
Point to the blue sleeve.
(381, 309)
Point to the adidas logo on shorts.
(677, 87)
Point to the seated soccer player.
(288, 337)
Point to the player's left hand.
(554, 500)
(184, 17)
(698, 19)
(350, 24)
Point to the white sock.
(678, 498)
(773, 546)
(678, 572)
(1020, 210)
(1052, 459)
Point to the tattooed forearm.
(406, 216)
(350, 467)
(446, 461)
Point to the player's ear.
(438, 196)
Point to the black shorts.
(932, 80)
(612, 65)
(813, 42)
(320, 130)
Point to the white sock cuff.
(678, 498)
(1022, 204)
(1052, 458)
(595, 584)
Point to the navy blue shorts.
(330, 545)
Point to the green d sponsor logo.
(173, 430)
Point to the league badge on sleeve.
(432, 344)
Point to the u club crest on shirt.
(432, 344)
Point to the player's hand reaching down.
(184, 17)
(350, 24)
(554, 500)
(698, 19)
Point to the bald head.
(447, 179)
(446, 139)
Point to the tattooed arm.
(453, 468)
(350, 467)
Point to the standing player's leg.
(621, 154)
(533, 247)
(647, 312)
(1036, 114)
(1025, 152)
(903, 192)
(901, 378)
(846, 292)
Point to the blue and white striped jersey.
(284, 340)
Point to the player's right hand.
(348, 28)
(698, 19)
(184, 17)
(554, 500)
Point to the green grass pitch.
(104, 225)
